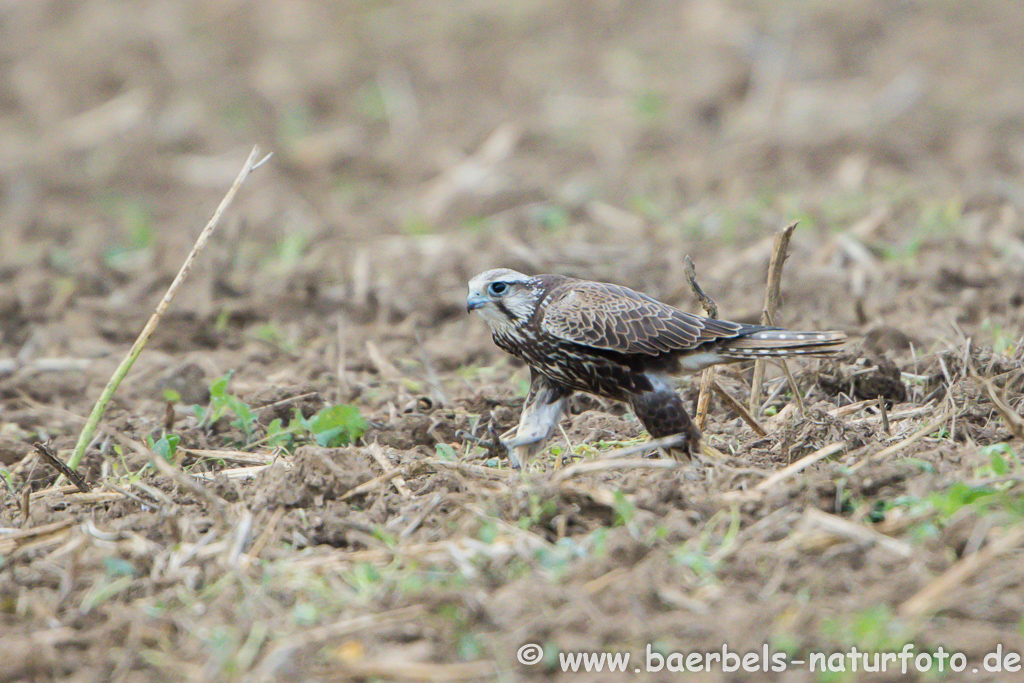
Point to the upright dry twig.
(709, 305)
(108, 392)
(707, 377)
(771, 304)
(885, 415)
(1009, 415)
(792, 381)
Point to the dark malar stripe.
(504, 309)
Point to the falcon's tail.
(775, 343)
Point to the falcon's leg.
(662, 413)
(544, 404)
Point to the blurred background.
(417, 143)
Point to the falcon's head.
(505, 298)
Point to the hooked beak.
(475, 301)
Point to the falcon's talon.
(615, 343)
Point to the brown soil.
(419, 143)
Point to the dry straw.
(85, 438)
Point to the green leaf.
(167, 446)
(336, 425)
(997, 454)
(246, 416)
(958, 496)
(624, 509)
(999, 465)
(219, 388)
(278, 435)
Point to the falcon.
(613, 342)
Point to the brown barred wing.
(615, 318)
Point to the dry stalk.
(595, 586)
(435, 672)
(532, 539)
(154, 493)
(926, 409)
(382, 364)
(897, 447)
(665, 442)
(428, 553)
(240, 457)
(707, 377)
(800, 465)
(931, 597)
(603, 465)
(759, 491)
(43, 493)
(771, 304)
(1010, 417)
(843, 411)
(186, 482)
(420, 517)
(378, 454)
(8, 366)
(466, 468)
(114, 488)
(885, 416)
(707, 385)
(792, 381)
(374, 483)
(243, 527)
(54, 531)
(261, 540)
(286, 401)
(93, 497)
(599, 495)
(276, 658)
(737, 407)
(237, 472)
(779, 419)
(50, 458)
(858, 533)
(85, 438)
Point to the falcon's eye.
(497, 288)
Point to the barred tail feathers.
(781, 343)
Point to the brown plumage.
(611, 341)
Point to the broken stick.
(771, 304)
